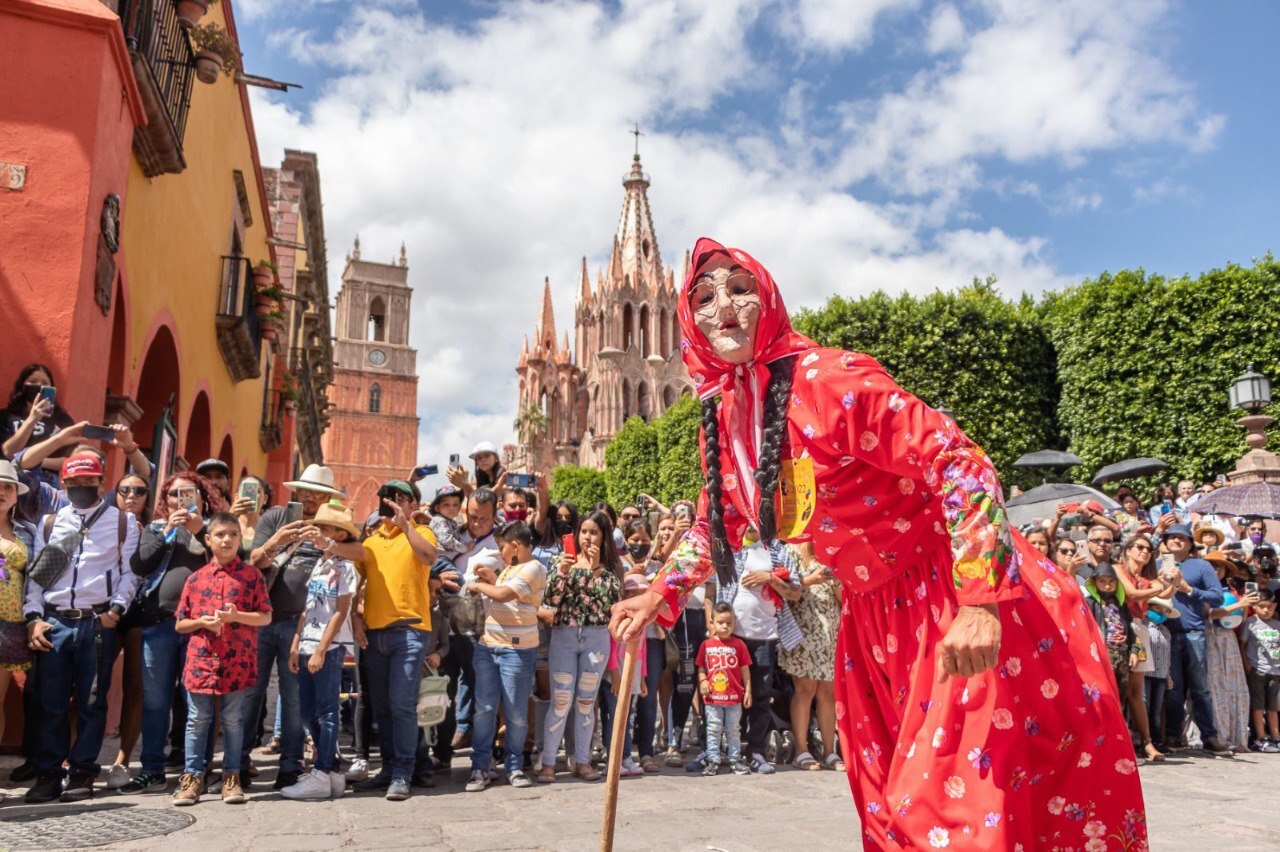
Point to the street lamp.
(1251, 391)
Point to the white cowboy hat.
(485, 447)
(1167, 604)
(316, 477)
(9, 473)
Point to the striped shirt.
(514, 623)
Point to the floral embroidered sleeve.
(889, 428)
(688, 567)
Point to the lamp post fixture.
(1251, 393)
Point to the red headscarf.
(741, 387)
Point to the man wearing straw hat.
(286, 552)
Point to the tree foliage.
(631, 462)
(983, 357)
(1145, 363)
(679, 460)
(583, 486)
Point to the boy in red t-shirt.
(724, 667)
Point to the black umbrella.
(1129, 469)
(1042, 501)
(1048, 458)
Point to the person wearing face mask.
(29, 418)
(1255, 534)
(71, 627)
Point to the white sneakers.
(117, 776)
(316, 785)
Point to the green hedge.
(631, 462)
(679, 460)
(583, 486)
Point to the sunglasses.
(1067, 551)
(132, 491)
(1140, 547)
(1101, 541)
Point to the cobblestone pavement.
(1195, 803)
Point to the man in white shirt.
(71, 627)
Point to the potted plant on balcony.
(215, 51)
(271, 325)
(267, 299)
(191, 11)
(264, 274)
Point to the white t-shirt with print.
(331, 578)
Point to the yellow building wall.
(175, 230)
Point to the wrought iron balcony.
(309, 427)
(163, 64)
(239, 333)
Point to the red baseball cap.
(81, 464)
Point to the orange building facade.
(373, 436)
(134, 214)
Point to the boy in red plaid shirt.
(222, 607)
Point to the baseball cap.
(81, 464)
(209, 464)
(401, 486)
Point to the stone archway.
(199, 439)
(158, 382)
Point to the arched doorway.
(118, 354)
(227, 452)
(197, 446)
(157, 383)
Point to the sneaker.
(48, 787)
(286, 779)
(740, 767)
(190, 786)
(519, 779)
(117, 776)
(710, 768)
(398, 790)
(1271, 747)
(479, 780)
(79, 787)
(337, 785)
(698, 764)
(1215, 747)
(144, 783)
(630, 769)
(314, 785)
(358, 771)
(377, 783)
(23, 772)
(760, 766)
(272, 747)
(1256, 744)
(232, 792)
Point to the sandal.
(806, 761)
(673, 758)
(545, 775)
(586, 772)
(1154, 754)
(834, 762)
(649, 765)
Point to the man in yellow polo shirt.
(398, 556)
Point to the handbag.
(433, 701)
(55, 557)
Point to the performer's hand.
(972, 643)
(631, 616)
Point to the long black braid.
(777, 399)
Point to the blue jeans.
(1190, 672)
(79, 667)
(274, 643)
(318, 697)
(647, 705)
(393, 661)
(504, 678)
(463, 648)
(721, 721)
(577, 659)
(162, 655)
(200, 713)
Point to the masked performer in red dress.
(976, 704)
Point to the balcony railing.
(239, 333)
(309, 426)
(164, 65)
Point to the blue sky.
(852, 145)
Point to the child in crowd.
(1105, 599)
(319, 647)
(724, 671)
(1261, 640)
(452, 534)
(222, 606)
(619, 712)
(1160, 651)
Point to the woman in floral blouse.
(975, 704)
(581, 590)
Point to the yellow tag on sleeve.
(799, 497)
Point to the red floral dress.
(908, 512)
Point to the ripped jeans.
(578, 658)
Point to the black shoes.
(286, 779)
(144, 783)
(1214, 746)
(46, 789)
(79, 787)
(24, 772)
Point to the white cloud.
(946, 30)
(495, 150)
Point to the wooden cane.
(616, 740)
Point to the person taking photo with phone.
(285, 549)
(32, 416)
